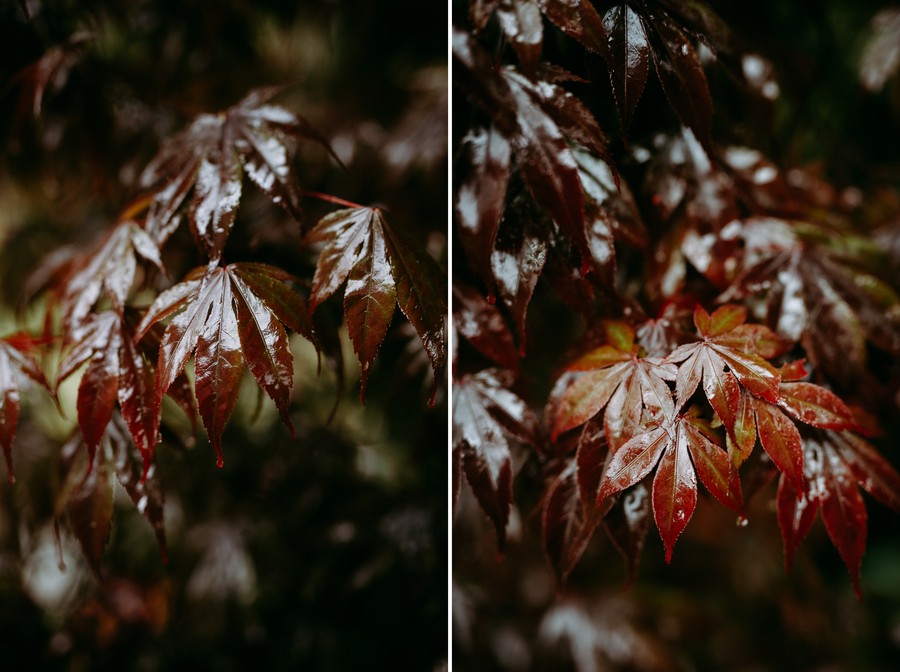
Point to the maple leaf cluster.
(224, 316)
(731, 309)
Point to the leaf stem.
(331, 199)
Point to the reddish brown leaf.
(137, 474)
(15, 363)
(486, 415)
(796, 514)
(480, 196)
(816, 406)
(682, 77)
(525, 114)
(714, 468)
(111, 266)
(211, 156)
(518, 259)
(744, 431)
(633, 461)
(874, 474)
(382, 266)
(781, 440)
(674, 492)
(579, 20)
(629, 53)
(482, 325)
(843, 512)
(86, 494)
(570, 515)
(230, 316)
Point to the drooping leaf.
(16, 363)
(629, 58)
(230, 316)
(111, 266)
(627, 525)
(781, 440)
(483, 326)
(518, 259)
(570, 515)
(480, 196)
(579, 20)
(533, 116)
(86, 493)
(679, 451)
(486, 417)
(682, 77)
(139, 479)
(836, 465)
(383, 267)
(116, 372)
(211, 157)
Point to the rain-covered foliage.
(678, 321)
(184, 186)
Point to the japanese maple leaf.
(227, 316)
(629, 387)
(638, 33)
(729, 357)
(16, 363)
(570, 512)
(212, 155)
(833, 306)
(118, 371)
(536, 116)
(483, 326)
(87, 487)
(486, 417)
(680, 450)
(111, 267)
(836, 465)
(383, 268)
(520, 21)
(778, 434)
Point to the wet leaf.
(211, 156)
(484, 327)
(579, 20)
(480, 196)
(16, 364)
(628, 387)
(629, 54)
(110, 267)
(383, 268)
(679, 452)
(518, 260)
(86, 495)
(228, 317)
(570, 514)
(682, 77)
(486, 417)
(836, 465)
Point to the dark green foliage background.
(350, 558)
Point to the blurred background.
(823, 97)
(325, 552)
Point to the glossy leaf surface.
(487, 416)
(383, 268)
(228, 317)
